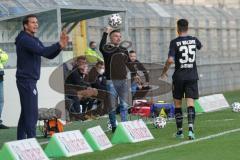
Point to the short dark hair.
(77, 60)
(26, 19)
(182, 25)
(132, 51)
(114, 31)
(100, 63)
(83, 58)
(91, 42)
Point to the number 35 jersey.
(183, 50)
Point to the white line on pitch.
(176, 145)
(44, 142)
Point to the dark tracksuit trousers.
(29, 109)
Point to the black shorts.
(185, 88)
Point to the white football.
(115, 20)
(236, 107)
(159, 122)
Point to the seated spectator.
(72, 64)
(135, 67)
(97, 76)
(78, 89)
(98, 80)
(80, 104)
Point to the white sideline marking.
(210, 120)
(177, 145)
(213, 120)
(45, 142)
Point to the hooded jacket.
(29, 52)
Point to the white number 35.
(187, 50)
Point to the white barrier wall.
(47, 98)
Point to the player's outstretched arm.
(168, 63)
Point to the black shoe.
(3, 126)
(113, 129)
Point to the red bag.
(141, 109)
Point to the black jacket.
(115, 59)
(100, 82)
(76, 78)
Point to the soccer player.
(182, 52)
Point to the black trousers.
(29, 109)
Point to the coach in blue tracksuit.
(29, 52)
